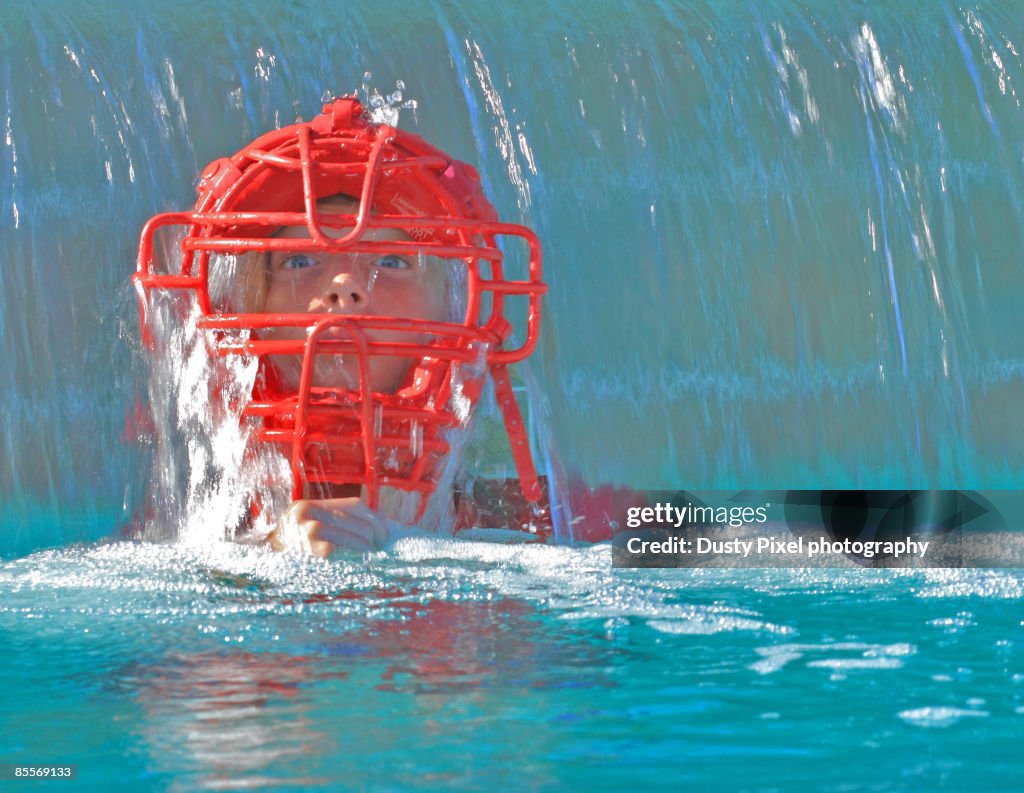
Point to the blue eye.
(392, 262)
(298, 261)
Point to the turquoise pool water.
(448, 665)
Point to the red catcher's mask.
(346, 434)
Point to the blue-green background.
(783, 244)
(782, 239)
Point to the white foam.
(939, 716)
(706, 624)
(856, 663)
(868, 656)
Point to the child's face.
(366, 284)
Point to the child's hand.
(325, 525)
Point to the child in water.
(364, 275)
(346, 284)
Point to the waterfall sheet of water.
(782, 243)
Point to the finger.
(321, 548)
(381, 530)
(352, 541)
(344, 506)
(366, 523)
(299, 510)
(359, 508)
(353, 537)
(381, 534)
(375, 531)
(289, 535)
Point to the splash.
(386, 108)
(210, 481)
(503, 133)
(877, 76)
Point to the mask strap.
(516, 432)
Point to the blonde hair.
(239, 283)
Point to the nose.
(346, 294)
